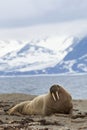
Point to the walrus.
(57, 100)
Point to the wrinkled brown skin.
(45, 104)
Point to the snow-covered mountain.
(47, 56)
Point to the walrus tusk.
(57, 95)
(53, 96)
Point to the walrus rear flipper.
(13, 113)
(16, 110)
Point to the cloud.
(23, 13)
(72, 28)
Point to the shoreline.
(37, 75)
(78, 121)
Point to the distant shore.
(33, 75)
(77, 121)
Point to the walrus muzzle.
(55, 92)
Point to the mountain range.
(46, 56)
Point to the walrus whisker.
(57, 95)
(53, 96)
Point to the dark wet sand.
(77, 121)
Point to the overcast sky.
(34, 14)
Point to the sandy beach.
(76, 121)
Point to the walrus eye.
(53, 96)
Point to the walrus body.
(58, 100)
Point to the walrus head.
(54, 90)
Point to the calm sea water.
(75, 84)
